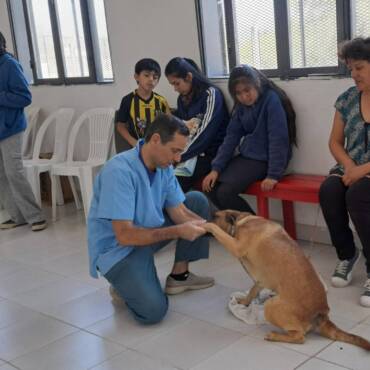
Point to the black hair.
(180, 67)
(166, 125)
(252, 76)
(356, 49)
(148, 64)
(2, 44)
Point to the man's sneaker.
(38, 226)
(116, 298)
(192, 282)
(10, 224)
(342, 275)
(365, 297)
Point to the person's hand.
(192, 124)
(352, 174)
(192, 230)
(209, 181)
(268, 184)
(209, 227)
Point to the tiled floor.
(53, 316)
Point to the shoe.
(38, 226)
(365, 297)
(342, 275)
(116, 298)
(193, 282)
(10, 224)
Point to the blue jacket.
(211, 106)
(14, 96)
(261, 131)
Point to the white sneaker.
(365, 297)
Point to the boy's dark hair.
(148, 64)
(2, 44)
(180, 67)
(166, 125)
(356, 49)
(252, 76)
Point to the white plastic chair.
(29, 135)
(100, 124)
(62, 119)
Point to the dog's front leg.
(224, 238)
(251, 295)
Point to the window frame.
(62, 79)
(283, 70)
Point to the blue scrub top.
(124, 190)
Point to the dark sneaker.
(365, 297)
(116, 298)
(342, 275)
(193, 282)
(10, 224)
(38, 226)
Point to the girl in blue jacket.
(261, 130)
(15, 192)
(203, 107)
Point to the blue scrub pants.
(135, 277)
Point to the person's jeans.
(337, 202)
(15, 191)
(135, 277)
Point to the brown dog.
(276, 262)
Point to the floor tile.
(348, 355)
(133, 360)
(123, 329)
(78, 351)
(250, 353)
(316, 364)
(19, 339)
(7, 367)
(13, 313)
(8, 267)
(25, 280)
(47, 297)
(86, 310)
(189, 343)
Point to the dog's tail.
(327, 329)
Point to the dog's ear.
(230, 218)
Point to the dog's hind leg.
(280, 314)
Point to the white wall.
(137, 29)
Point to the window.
(284, 38)
(65, 42)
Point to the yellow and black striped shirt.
(138, 113)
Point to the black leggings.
(337, 201)
(239, 174)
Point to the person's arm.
(18, 94)
(212, 121)
(128, 234)
(123, 131)
(352, 172)
(336, 142)
(225, 152)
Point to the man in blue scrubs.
(137, 208)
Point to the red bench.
(291, 188)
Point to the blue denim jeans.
(135, 277)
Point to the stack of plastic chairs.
(100, 125)
(62, 120)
